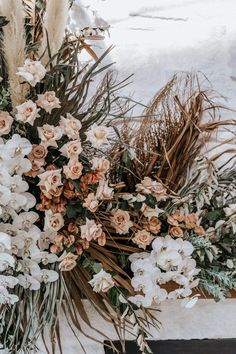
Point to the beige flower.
(102, 281)
(172, 221)
(5, 123)
(91, 231)
(100, 164)
(52, 221)
(70, 126)
(148, 186)
(67, 262)
(27, 112)
(50, 180)
(73, 170)
(97, 135)
(72, 149)
(32, 71)
(104, 192)
(37, 168)
(91, 202)
(49, 134)
(48, 101)
(143, 239)
(176, 231)
(154, 225)
(121, 221)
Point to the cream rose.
(52, 221)
(49, 134)
(5, 123)
(100, 164)
(50, 180)
(91, 231)
(91, 202)
(72, 149)
(104, 192)
(70, 126)
(97, 135)
(27, 112)
(102, 281)
(148, 186)
(48, 101)
(121, 221)
(32, 71)
(73, 170)
(67, 262)
(143, 239)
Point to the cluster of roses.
(21, 261)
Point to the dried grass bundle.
(54, 23)
(14, 46)
(176, 125)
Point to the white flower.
(17, 201)
(32, 71)
(6, 260)
(18, 185)
(102, 281)
(27, 112)
(48, 101)
(30, 201)
(45, 258)
(72, 149)
(17, 146)
(142, 283)
(46, 276)
(5, 242)
(6, 298)
(140, 300)
(230, 210)
(5, 195)
(97, 135)
(70, 126)
(18, 165)
(49, 134)
(8, 281)
(46, 238)
(28, 282)
(25, 220)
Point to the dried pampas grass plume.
(55, 20)
(14, 44)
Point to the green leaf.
(74, 209)
(97, 267)
(151, 201)
(213, 215)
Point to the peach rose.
(50, 180)
(73, 170)
(104, 192)
(176, 231)
(91, 202)
(143, 239)
(67, 262)
(121, 221)
(172, 221)
(72, 149)
(91, 231)
(48, 101)
(36, 169)
(148, 186)
(53, 222)
(5, 123)
(154, 225)
(27, 112)
(38, 152)
(49, 134)
(190, 220)
(177, 216)
(70, 126)
(199, 230)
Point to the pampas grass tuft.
(55, 20)
(14, 44)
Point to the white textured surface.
(174, 35)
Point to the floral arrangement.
(89, 210)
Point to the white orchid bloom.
(46, 276)
(18, 185)
(5, 195)
(6, 298)
(30, 201)
(28, 282)
(140, 300)
(25, 220)
(6, 261)
(46, 239)
(18, 165)
(17, 146)
(17, 201)
(142, 283)
(29, 266)
(45, 258)
(8, 281)
(5, 242)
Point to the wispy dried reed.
(14, 46)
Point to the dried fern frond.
(176, 126)
(14, 46)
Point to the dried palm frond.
(54, 23)
(14, 46)
(176, 126)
